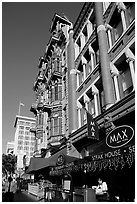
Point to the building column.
(72, 107)
(95, 93)
(121, 9)
(104, 58)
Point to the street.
(25, 197)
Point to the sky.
(25, 34)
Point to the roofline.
(23, 117)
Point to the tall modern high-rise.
(24, 142)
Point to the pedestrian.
(101, 191)
(10, 189)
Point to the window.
(21, 132)
(21, 127)
(130, 11)
(26, 143)
(20, 137)
(20, 147)
(21, 122)
(125, 79)
(31, 149)
(27, 128)
(81, 74)
(26, 148)
(79, 44)
(55, 126)
(28, 123)
(116, 24)
(88, 64)
(26, 137)
(32, 138)
(85, 33)
(91, 105)
(58, 65)
(95, 47)
(100, 96)
(56, 91)
(27, 133)
(20, 142)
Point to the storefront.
(112, 159)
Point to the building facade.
(10, 148)
(89, 66)
(104, 36)
(24, 142)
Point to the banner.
(93, 131)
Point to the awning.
(37, 164)
(58, 159)
(113, 152)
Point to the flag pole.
(19, 109)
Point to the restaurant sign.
(120, 136)
(60, 160)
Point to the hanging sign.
(60, 160)
(120, 136)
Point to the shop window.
(116, 24)
(125, 79)
(95, 47)
(88, 64)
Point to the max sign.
(120, 136)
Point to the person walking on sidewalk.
(10, 189)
